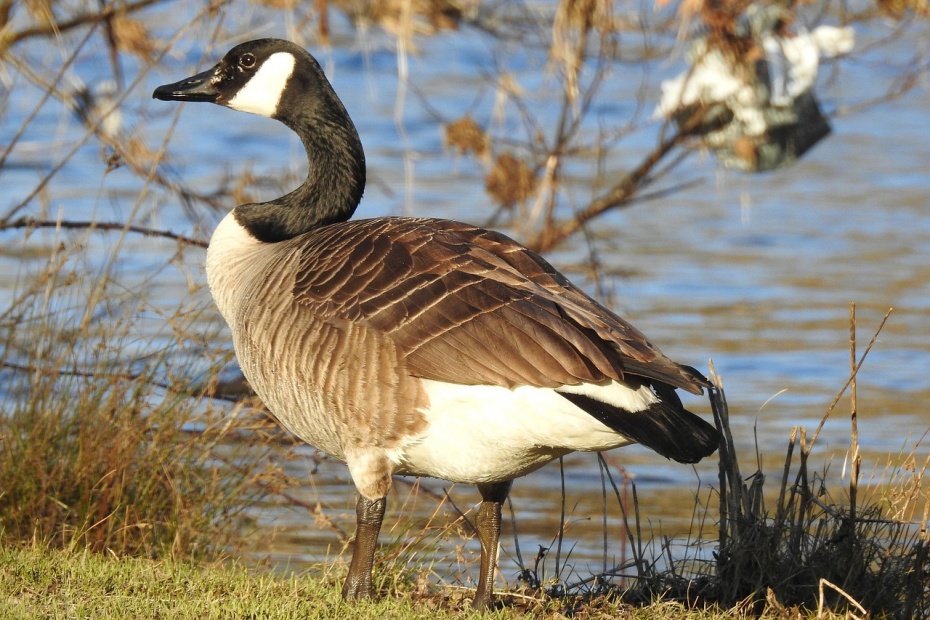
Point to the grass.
(40, 582)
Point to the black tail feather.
(666, 426)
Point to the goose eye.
(247, 61)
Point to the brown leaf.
(466, 136)
(133, 37)
(510, 181)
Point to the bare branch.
(57, 28)
(28, 222)
(620, 195)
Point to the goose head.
(281, 80)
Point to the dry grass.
(108, 450)
(854, 549)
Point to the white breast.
(251, 283)
(231, 257)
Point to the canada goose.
(417, 346)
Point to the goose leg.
(368, 513)
(488, 524)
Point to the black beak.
(196, 88)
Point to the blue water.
(754, 272)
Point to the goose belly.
(480, 434)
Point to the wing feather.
(472, 306)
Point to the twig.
(143, 72)
(854, 417)
(57, 28)
(28, 222)
(820, 611)
(208, 391)
(49, 90)
(624, 503)
(620, 194)
(806, 450)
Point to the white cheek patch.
(261, 94)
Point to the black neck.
(334, 184)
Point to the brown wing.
(472, 306)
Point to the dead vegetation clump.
(510, 181)
(814, 550)
(465, 136)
